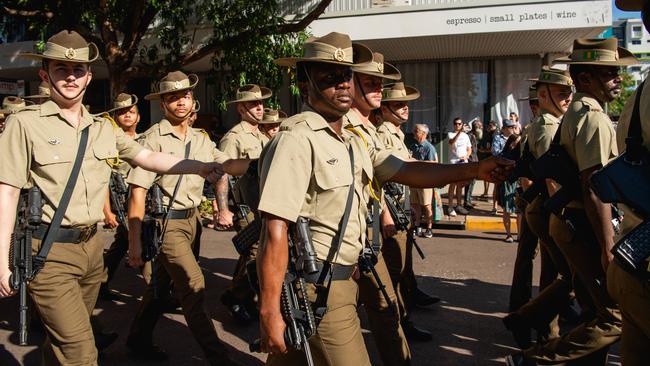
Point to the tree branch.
(304, 22)
(28, 13)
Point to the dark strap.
(46, 245)
(334, 250)
(634, 140)
(171, 201)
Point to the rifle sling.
(50, 235)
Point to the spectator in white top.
(460, 149)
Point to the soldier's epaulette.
(31, 107)
(589, 107)
(292, 122)
(200, 130)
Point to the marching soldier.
(182, 195)
(383, 316)
(270, 123)
(244, 140)
(631, 291)
(553, 91)
(397, 250)
(43, 141)
(316, 169)
(584, 231)
(10, 105)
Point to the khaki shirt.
(162, 137)
(368, 131)
(120, 166)
(587, 133)
(540, 133)
(626, 117)
(305, 171)
(393, 140)
(242, 143)
(43, 145)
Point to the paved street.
(470, 271)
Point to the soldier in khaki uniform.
(10, 105)
(553, 92)
(383, 317)
(588, 137)
(306, 171)
(631, 292)
(126, 116)
(270, 123)
(42, 141)
(176, 261)
(244, 140)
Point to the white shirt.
(458, 149)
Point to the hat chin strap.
(57, 91)
(550, 96)
(363, 91)
(181, 119)
(338, 113)
(395, 114)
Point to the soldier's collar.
(316, 122)
(166, 128)
(354, 119)
(587, 99)
(50, 108)
(548, 116)
(246, 126)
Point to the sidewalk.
(480, 218)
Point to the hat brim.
(282, 117)
(626, 58)
(154, 96)
(362, 54)
(411, 94)
(266, 94)
(390, 72)
(94, 51)
(38, 96)
(537, 81)
(133, 96)
(629, 5)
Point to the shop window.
(636, 42)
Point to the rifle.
(296, 309)
(241, 209)
(393, 195)
(118, 195)
(28, 218)
(367, 261)
(151, 233)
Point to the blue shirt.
(424, 151)
(498, 143)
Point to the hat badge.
(380, 67)
(339, 55)
(70, 53)
(178, 85)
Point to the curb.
(476, 223)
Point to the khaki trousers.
(582, 252)
(633, 297)
(384, 322)
(176, 263)
(398, 256)
(114, 255)
(338, 340)
(65, 292)
(240, 288)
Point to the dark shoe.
(146, 351)
(237, 311)
(518, 359)
(103, 340)
(520, 330)
(428, 234)
(415, 334)
(106, 294)
(461, 210)
(423, 299)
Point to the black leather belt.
(181, 214)
(73, 235)
(339, 272)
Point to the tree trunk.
(118, 81)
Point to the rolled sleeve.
(15, 144)
(385, 165)
(285, 174)
(229, 146)
(219, 156)
(139, 176)
(127, 147)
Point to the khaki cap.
(43, 91)
(598, 51)
(196, 107)
(251, 93)
(333, 48)
(378, 67)
(532, 93)
(12, 105)
(123, 101)
(68, 46)
(398, 92)
(630, 5)
(553, 76)
(272, 116)
(173, 82)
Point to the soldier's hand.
(5, 286)
(495, 169)
(110, 220)
(135, 254)
(272, 328)
(388, 229)
(224, 219)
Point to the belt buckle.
(87, 233)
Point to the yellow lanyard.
(113, 163)
(370, 184)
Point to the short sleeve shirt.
(587, 133)
(459, 148)
(541, 132)
(393, 139)
(368, 131)
(243, 142)
(122, 167)
(43, 145)
(424, 151)
(162, 137)
(305, 171)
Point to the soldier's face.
(251, 111)
(369, 86)
(561, 97)
(127, 117)
(610, 81)
(331, 90)
(270, 130)
(396, 111)
(178, 105)
(68, 78)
